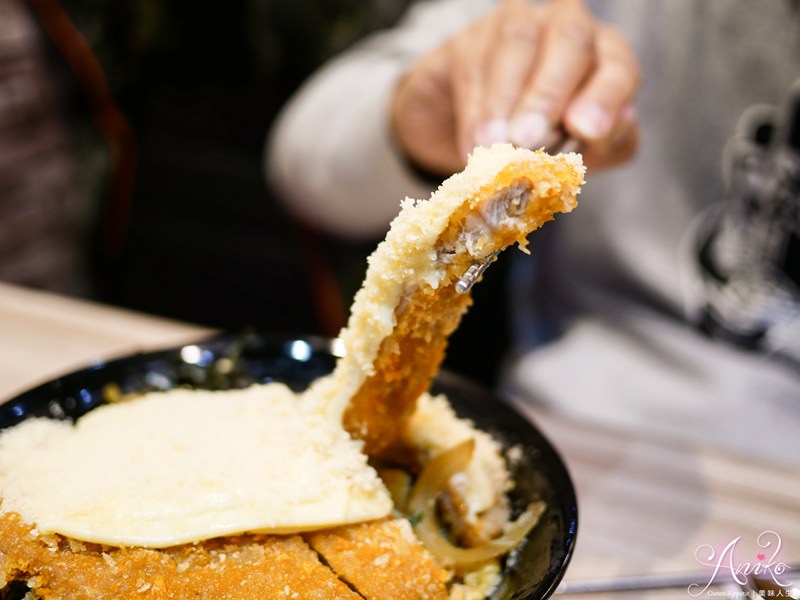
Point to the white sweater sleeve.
(331, 156)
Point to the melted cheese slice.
(184, 466)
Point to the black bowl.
(236, 360)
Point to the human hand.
(525, 73)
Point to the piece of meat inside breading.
(395, 340)
(413, 295)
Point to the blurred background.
(131, 161)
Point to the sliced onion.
(422, 504)
(428, 531)
(433, 479)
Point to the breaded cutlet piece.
(394, 344)
(408, 305)
(382, 559)
(235, 568)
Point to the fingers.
(516, 36)
(422, 116)
(603, 104)
(468, 56)
(551, 68)
(617, 147)
(563, 60)
(525, 73)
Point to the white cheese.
(184, 466)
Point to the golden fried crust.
(405, 366)
(382, 559)
(241, 568)
(489, 211)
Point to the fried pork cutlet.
(376, 560)
(234, 568)
(382, 559)
(410, 302)
(412, 299)
(394, 343)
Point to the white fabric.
(616, 281)
(331, 155)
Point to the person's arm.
(454, 74)
(332, 157)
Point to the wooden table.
(645, 507)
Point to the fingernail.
(529, 130)
(590, 121)
(629, 113)
(492, 132)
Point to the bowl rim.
(61, 397)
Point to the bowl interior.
(236, 360)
